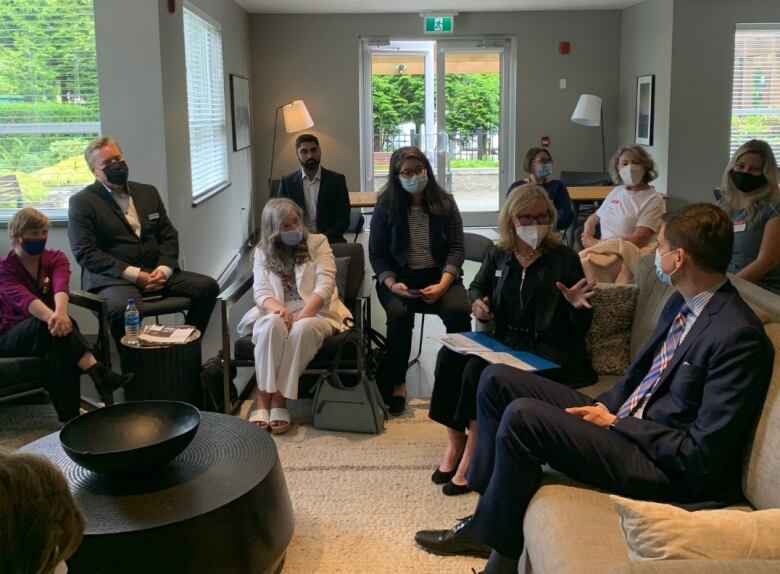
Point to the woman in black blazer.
(533, 287)
(416, 250)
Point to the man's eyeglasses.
(543, 219)
(407, 173)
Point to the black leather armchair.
(21, 376)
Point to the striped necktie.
(660, 362)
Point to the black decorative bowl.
(130, 436)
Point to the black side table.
(166, 372)
(221, 506)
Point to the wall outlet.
(562, 83)
(183, 263)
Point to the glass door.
(451, 99)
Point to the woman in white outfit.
(297, 308)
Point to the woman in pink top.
(34, 319)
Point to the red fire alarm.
(545, 141)
(563, 47)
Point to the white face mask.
(631, 174)
(61, 568)
(533, 235)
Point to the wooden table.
(595, 193)
(362, 198)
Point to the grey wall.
(642, 54)
(317, 58)
(702, 69)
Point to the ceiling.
(415, 6)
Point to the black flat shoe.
(441, 477)
(452, 489)
(396, 405)
(455, 541)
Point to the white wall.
(646, 48)
(316, 58)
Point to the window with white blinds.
(755, 104)
(49, 107)
(205, 103)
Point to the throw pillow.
(609, 337)
(342, 268)
(655, 531)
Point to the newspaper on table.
(165, 334)
(494, 352)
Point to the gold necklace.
(524, 258)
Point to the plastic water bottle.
(132, 323)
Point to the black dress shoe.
(455, 541)
(396, 405)
(441, 477)
(452, 489)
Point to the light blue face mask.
(414, 184)
(543, 170)
(292, 237)
(663, 277)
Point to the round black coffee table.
(220, 506)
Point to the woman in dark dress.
(534, 290)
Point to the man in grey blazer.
(125, 244)
(321, 193)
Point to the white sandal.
(280, 415)
(261, 418)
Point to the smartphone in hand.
(414, 292)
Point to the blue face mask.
(543, 170)
(33, 246)
(663, 277)
(414, 184)
(292, 237)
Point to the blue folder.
(537, 362)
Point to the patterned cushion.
(609, 338)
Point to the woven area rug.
(359, 499)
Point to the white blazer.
(317, 275)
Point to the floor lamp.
(296, 119)
(589, 112)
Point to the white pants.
(281, 355)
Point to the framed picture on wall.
(239, 99)
(645, 100)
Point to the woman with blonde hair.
(34, 320)
(633, 209)
(749, 194)
(296, 308)
(40, 525)
(532, 286)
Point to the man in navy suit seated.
(321, 193)
(673, 429)
(126, 245)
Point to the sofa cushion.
(572, 529)
(761, 476)
(652, 297)
(655, 531)
(610, 330)
(696, 567)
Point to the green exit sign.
(439, 24)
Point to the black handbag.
(211, 382)
(355, 408)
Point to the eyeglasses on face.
(407, 173)
(542, 219)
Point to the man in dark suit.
(673, 429)
(127, 247)
(321, 193)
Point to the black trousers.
(522, 425)
(31, 338)
(453, 308)
(200, 289)
(454, 397)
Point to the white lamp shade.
(296, 117)
(588, 111)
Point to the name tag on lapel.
(740, 225)
(153, 216)
(499, 272)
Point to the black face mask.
(747, 182)
(116, 172)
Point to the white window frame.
(208, 139)
(740, 84)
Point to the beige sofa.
(573, 529)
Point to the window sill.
(206, 195)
